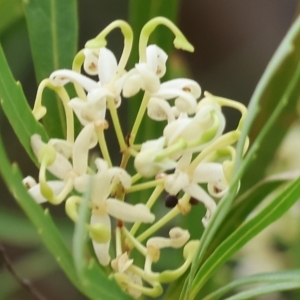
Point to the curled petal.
(129, 213)
(217, 189)
(62, 146)
(60, 167)
(199, 194)
(101, 249)
(159, 110)
(208, 172)
(29, 182)
(55, 185)
(90, 64)
(169, 89)
(178, 237)
(62, 77)
(151, 81)
(132, 84)
(100, 186)
(120, 175)
(101, 164)
(121, 263)
(145, 162)
(176, 182)
(156, 60)
(107, 65)
(85, 140)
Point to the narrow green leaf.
(16, 108)
(274, 210)
(274, 277)
(271, 93)
(247, 202)
(52, 26)
(11, 11)
(286, 60)
(43, 223)
(266, 289)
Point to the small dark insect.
(172, 200)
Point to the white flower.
(178, 237)
(103, 205)
(61, 167)
(145, 162)
(146, 76)
(121, 265)
(192, 129)
(206, 172)
(94, 107)
(184, 91)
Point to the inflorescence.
(192, 159)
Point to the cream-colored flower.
(103, 63)
(105, 206)
(61, 167)
(145, 162)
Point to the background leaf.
(270, 213)
(274, 278)
(284, 68)
(53, 29)
(11, 11)
(16, 108)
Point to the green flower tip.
(183, 43)
(96, 43)
(99, 233)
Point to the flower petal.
(62, 77)
(60, 167)
(208, 172)
(159, 110)
(107, 65)
(90, 64)
(129, 213)
(102, 250)
(156, 60)
(56, 186)
(85, 140)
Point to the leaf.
(18, 231)
(266, 289)
(11, 11)
(52, 26)
(284, 105)
(274, 210)
(33, 266)
(16, 108)
(246, 204)
(48, 231)
(273, 278)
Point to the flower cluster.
(191, 160)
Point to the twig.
(23, 282)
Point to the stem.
(116, 123)
(180, 42)
(165, 219)
(139, 117)
(154, 196)
(76, 66)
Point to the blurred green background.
(234, 41)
